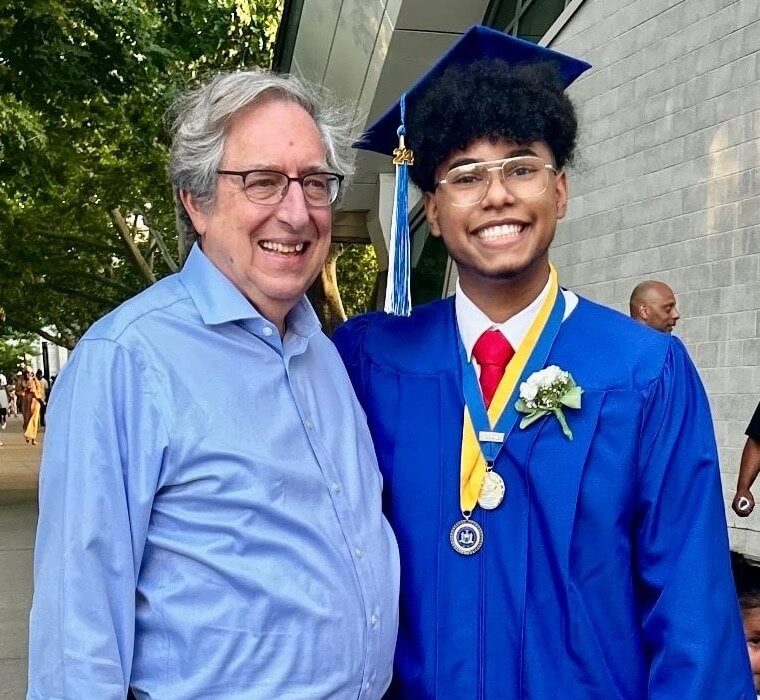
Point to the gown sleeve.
(689, 612)
(350, 341)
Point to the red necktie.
(493, 352)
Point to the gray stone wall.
(667, 186)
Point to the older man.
(654, 304)
(210, 520)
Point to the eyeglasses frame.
(243, 174)
(497, 165)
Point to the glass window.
(528, 19)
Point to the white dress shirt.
(472, 322)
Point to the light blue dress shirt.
(210, 518)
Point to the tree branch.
(101, 300)
(158, 237)
(81, 240)
(59, 339)
(132, 250)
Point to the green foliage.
(357, 272)
(428, 276)
(84, 87)
(14, 348)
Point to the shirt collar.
(219, 301)
(472, 322)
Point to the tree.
(14, 349)
(84, 197)
(357, 277)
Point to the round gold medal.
(492, 491)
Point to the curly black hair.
(489, 99)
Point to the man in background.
(654, 304)
(749, 467)
(45, 393)
(3, 403)
(747, 579)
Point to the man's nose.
(293, 208)
(497, 193)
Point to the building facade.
(667, 186)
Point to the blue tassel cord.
(398, 298)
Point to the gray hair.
(201, 118)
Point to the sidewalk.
(19, 462)
(19, 466)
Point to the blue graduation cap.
(387, 134)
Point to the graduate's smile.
(507, 232)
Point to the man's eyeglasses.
(269, 187)
(525, 177)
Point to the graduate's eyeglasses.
(524, 177)
(269, 187)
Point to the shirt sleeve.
(102, 457)
(753, 429)
(689, 613)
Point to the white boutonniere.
(545, 392)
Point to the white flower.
(528, 390)
(547, 392)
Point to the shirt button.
(367, 685)
(359, 552)
(336, 488)
(308, 424)
(267, 331)
(374, 621)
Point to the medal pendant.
(466, 537)
(492, 491)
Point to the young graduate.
(561, 527)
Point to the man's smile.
(284, 248)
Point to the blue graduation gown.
(605, 572)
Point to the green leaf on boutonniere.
(545, 392)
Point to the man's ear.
(431, 212)
(643, 311)
(560, 192)
(197, 212)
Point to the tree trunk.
(324, 294)
(132, 250)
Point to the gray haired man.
(210, 520)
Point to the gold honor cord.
(473, 464)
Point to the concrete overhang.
(367, 52)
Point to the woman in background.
(34, 397)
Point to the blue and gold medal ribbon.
(501, 416)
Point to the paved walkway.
(19, 465)
(19, 461)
